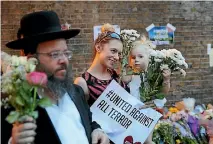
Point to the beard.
(57, 86)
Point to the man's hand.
(99, 137)
(24, 133)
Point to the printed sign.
(119, 116)
(161, 35)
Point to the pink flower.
(37, 78)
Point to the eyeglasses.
(112, 35)
(59, 54)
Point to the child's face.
(139, 59)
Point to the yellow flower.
(178, 141)
(157, 126)
(173, 109)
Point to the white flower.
(133, 31)
(137, 35)
(160, 54)
(5, 61)
(183, 72)
(185, 64)
(164, 67)
(175, 54)
(157, 54)
(30, 67)
(123, 31)
(158, 60)
(132, 38)
(179, 62)
(165, 52)
(153, 53)
(23, 60)
(31, 64)
(7, 89)
(14, 60)
(130, 33)
(21, 72)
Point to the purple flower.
(193, 124)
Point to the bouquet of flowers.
(160, 60)
(206, 121)
(163, 132)
(128, 37)
(185, 128)
(19, 85)
(5, 61)
(185, 136)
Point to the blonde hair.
(107, 28)
(147, 42)
(144, 47)
(104, 29)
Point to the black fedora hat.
(39, 27)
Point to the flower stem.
(34, 98)
(156, 82)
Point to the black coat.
(46, 133)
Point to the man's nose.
(63, 59)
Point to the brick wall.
(193, 20)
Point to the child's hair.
(144, 47)
(102, 37)
(146, 41)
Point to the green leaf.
(26, 86)
(19, 101)
(34, 114)
(25, 95)
(160, 96)
(12, 117)
(44, 102)
(154, 92)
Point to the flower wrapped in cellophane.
(19, 86)
(159, 60)
(163, 132)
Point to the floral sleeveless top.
(96, 86)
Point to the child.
(139, 60)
